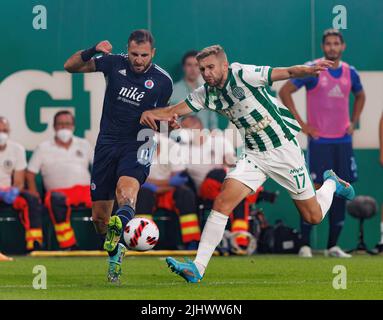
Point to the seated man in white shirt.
(12, 176)
(165, 188)
(64, 164)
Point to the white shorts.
(286, 165)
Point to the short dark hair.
(189, 54)
(332, 32)
(60, 113)
(141, 36)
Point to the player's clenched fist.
(104, 47)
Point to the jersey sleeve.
(257, 76)
(35, 161)
(21, 159)
(356, 85)
(299, 82)
(166, 92)
(196, 99)
(105, 63)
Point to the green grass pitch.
(255, 277)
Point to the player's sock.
(306, 232)
(337, 214)
(381, 233)
(113, 253)
(325, 195)
(125, 213)
(211, 237)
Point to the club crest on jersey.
(238, 92)
(149, 84)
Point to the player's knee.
(223, 206)
(313, 217)
(125, 195)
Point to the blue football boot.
(186, 270)
(115, 271)
(343, 188)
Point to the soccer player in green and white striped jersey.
(238, 91)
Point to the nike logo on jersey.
(132, 93)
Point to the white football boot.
(337, 253)
(305, 252)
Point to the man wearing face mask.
(123, 151)
(64, 164)
(12, 175)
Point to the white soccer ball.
(141, 234)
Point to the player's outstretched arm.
(300, 71)
(82, 60)
(169, 114)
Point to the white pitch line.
(10, 286)
(208, 283)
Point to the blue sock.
(337, 215)
(126, 213)
(305, 231)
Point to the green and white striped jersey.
(263, 121)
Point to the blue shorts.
(336, 154)
(111, 161)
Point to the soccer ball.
(141, 234)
